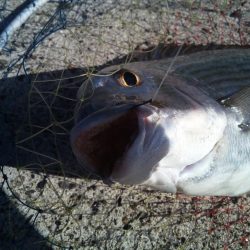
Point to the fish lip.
(82, 136)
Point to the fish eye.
(129, 79)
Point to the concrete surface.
(42, 195)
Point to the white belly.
(224, 171)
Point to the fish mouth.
(100, 140)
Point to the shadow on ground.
(36, 114)
(16, 231)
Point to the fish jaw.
(149, 147)
(94, 139)
(110, 140)
(160, 145)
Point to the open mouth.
(101, 139)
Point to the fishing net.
(46, 199)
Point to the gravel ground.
(44, 203)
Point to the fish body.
(180, 129)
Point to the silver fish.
(193, 136)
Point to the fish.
(181, 127)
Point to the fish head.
(113, 86)
(124, 130)
(114, 124)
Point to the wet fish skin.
(187, 140)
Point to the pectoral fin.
(241, 101)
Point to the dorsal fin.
(241, 101)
